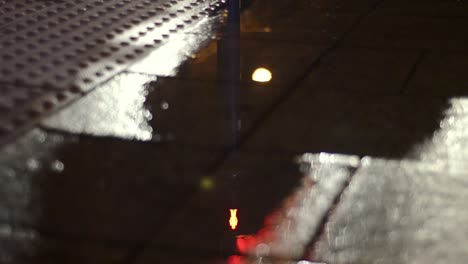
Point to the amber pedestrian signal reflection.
(233, 221)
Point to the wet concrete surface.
(409, 219)
(148, 166)
(385, 126)
(57, 182)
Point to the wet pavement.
(178, 131)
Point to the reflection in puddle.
(116, 109)
(166, 60)
(245, 242)
(207, 183)
(235, 260)
(233, 220)
(449, 142)
(261, 75)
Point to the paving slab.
(334, 6)
(363, 71)
(178, 256)
(356, 124)
(255, 185)
(216, 59)
(312, 22)
(448, 143)
(287, 231)
(23, 245)
(162, 256)
(410, 32)
(262, 14)
(245, 184)
(316, 29)
(440, 74)
(398, 212)
(101, 189)
(208, 114)
(433, 8)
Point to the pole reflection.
(229, 71)
(229, 82)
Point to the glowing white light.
(261, 75)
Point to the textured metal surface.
(399, 212)
(53, 51)
(84, 42)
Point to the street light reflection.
(262, 75)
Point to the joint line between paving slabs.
(412, 72)
(321, 230)
(358, 21)
(294, 86)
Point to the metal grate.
(52, 50)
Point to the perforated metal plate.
(53, 51)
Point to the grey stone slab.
(22, 245)
(102, 189)
(354, 70)
(398, 212)
(441, 74)
(357, 124)
(410, 32)
(267, 192)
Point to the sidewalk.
(131, 143)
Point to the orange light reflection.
(233, 221)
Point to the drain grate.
(52, 50)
